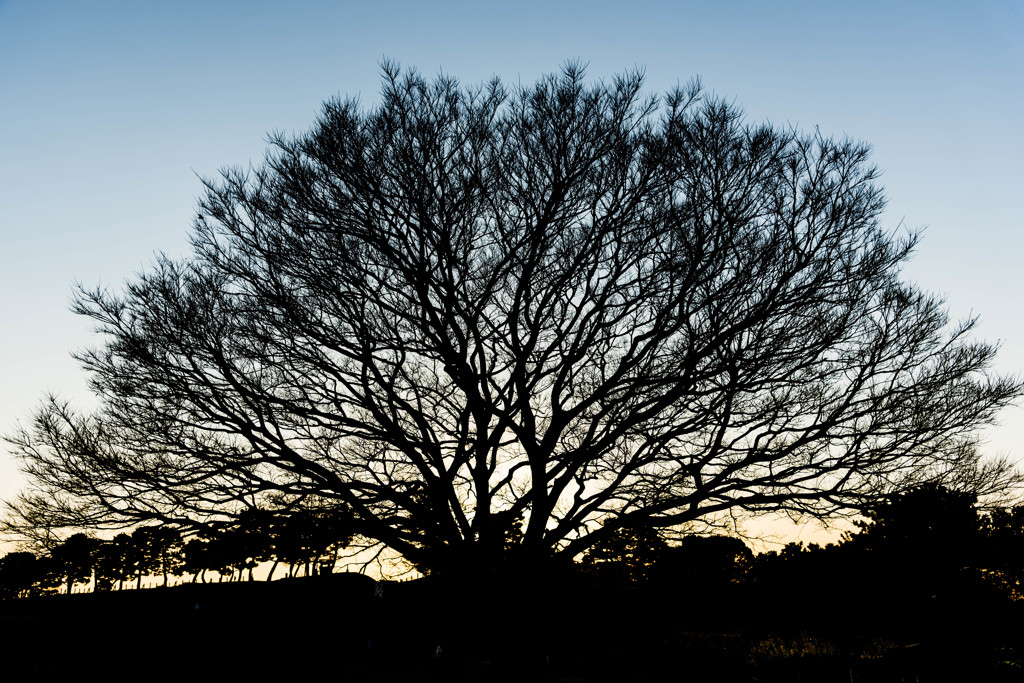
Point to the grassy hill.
(338, 628)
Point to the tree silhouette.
(626, 555)
(707, 561)
(566, 304)
(310, 536)
(75, 559)
(20, 572)
(115, 562)
(160, 550)
(928, 531)
(1003, 530)
(197, 559)
(233, 548)
(251, 538)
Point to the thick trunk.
(535, 586)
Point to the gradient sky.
(109, 111)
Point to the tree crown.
(472, 308)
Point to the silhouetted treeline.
(923, 543)
(928, 588)
(305, 541)
(929, 538)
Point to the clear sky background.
(109, 112)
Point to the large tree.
(569, 306)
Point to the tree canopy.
(568, 306)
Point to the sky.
(111, 112)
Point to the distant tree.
(705, 561)
(75, 559)
(920, 555)
(219, 551)
(1004, 547)
(132, 552)
(20, 572)
(565, 303)
(160, 548)
(916, 542)
(239, 546)
(252, 537)
(626, 555)
(929, 530)
(196, 556)
(311, 535)
(113, 563)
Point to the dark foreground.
(338, 628)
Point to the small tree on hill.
(20, 574)
(115, 562)
(75, 559)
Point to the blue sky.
(110, 110)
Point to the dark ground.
(336, 628)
